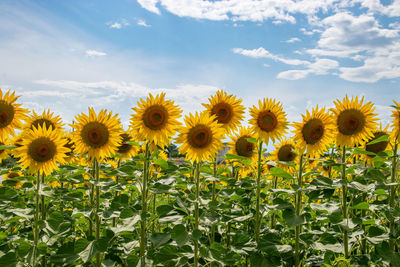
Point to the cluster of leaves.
(227, 215)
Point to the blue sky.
(68, 55)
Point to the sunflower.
(47, 118)
(3, 152)
(315, 133)
(227, 109)
(41, 150)
(10, 179)
(285, 151)
(268, 120)
(377, 147)
(354, 121)
(396, 121)
(155, 120)
(98, 135)
(240, 146)
(125, 149)
(71, 146)
(11, 114)
(201, 137)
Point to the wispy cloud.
(263, 53)
(94, 53)
(142, 22)
(293, 40)
(118, 24)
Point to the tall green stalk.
(393, 178)
(213, 198)
(36, 229)
(97, 176)
(143, 221)
(114, 222)
(258, 189)
(298, 203)
(344, 205)
(274, 186)
(196, 212)
(43, 203)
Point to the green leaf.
(232, 156)
(278, 172)
(383, 138)
(89, 252)
(7, 193)
(179, 234)
(291, 218)
(159, 239)
(133, 143)
(196, 234)
(3, 147)
(161, 162)
(252, 140)
(361, 206)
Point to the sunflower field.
(97, 195)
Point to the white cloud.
(94, 53)
(319, 67)
(116, 25)
(293, 40)
(142, 22)
(244, 10)
(263, 53)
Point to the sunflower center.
(6, 113)
(12, 175)
(286, 153)
(155, 117)
(95, 134)
(42, 122)
(313, 131)
(243, 147)
(200, 136)
(124, 148)
(223, 112)
(351, 121)
(267, 121)
(377, 147)
(42, 149)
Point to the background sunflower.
(354, 121)
(315, 133)
(155, 120)
(227, 109)
(239, 144)
(97, 135)
(11, 114)
(42, 148)
(268, 120)
(47, 118)
(201, 137)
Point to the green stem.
(97, 176)
(344, 204)
(114, 223)
(298, 203)
(392, 240)
(43, 204)
(143, 222)
(213, 198)
(274, 186)
(36, 232)
(258, 189)
(196, 214)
